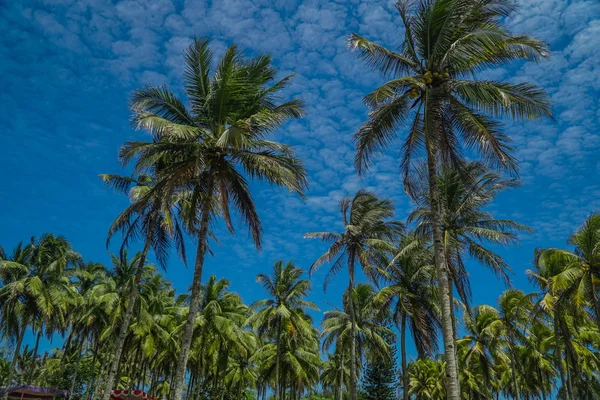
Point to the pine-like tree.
(379, 381)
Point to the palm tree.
(581, 266)
(412, 298)
(514, 309)
(36, 291)
(426, 379)
(468, 229)
(357, 327)
(336, 372)
(287, 294)
(151, 218)
(211, 146)
(538, 365)
(483, 344)
(366, 240)
(561, 301)
(445, 43)
(221, 318)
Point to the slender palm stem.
(278, 359)
(353, 378)
(188, 332)
(405, 380)
(124, 328)
(559, 363)
(34, 356)
(452, 381)
(13, 363)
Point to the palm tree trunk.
(513, 367)
(188, 331)
(452, 380)
(13, 363)
(595, 301)
(403, 356)
(278, 360)
(352, 327)
(339, 394)
(124, 328)
(35, 351)
(559, 362)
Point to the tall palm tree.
(445, 43)
(212, 146)
(287, 293)
(149, 217)
(367, 241)
(358, 327)
(412, 298)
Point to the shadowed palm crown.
(432, 88)
(468, 228)
(214, 144)
(367, 236)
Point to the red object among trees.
(130, 395)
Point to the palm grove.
(125, 326)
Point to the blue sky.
(68, 68)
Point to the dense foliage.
(123, 325)
(528, 345)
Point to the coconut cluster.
(429, 78)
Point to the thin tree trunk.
(595, 301)
(353, 379)
(13, 362)
(339, 390)
(513, 367)
(35, 351)
(559, 362)
(278, 360)
(66, 345)
(188, 331)
(133, 296)
(403, 356)
(74, 379)
(452, 379)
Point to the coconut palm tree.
(212, 147)
(285, 306)
(433, 93)
(336, 372)
(36, 290)
(555, 305)
(221, 319)
(582, 266)
(484, 343)
(468, 228)
(412, 298)
(357, 327)
(426, 377)
(514, 310)
(149, 217)
(366, 241)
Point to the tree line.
(194, 172)
(526, 346)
